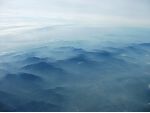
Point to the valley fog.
(74, 68)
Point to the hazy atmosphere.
(75, 55)
(97, 12)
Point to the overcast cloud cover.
(95, 12)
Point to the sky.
(89, 12)
(20, 20)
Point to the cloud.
(82, 11)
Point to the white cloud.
(111, 12)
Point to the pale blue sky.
(98, 12)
